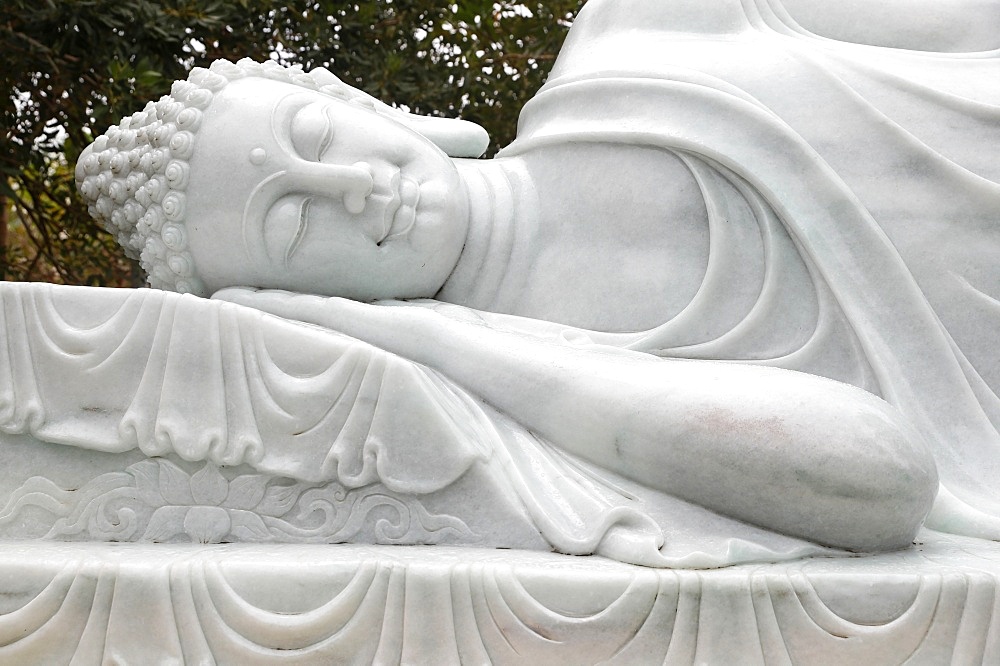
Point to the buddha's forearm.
(601, 404)
(786, 450)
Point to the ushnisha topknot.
(135, 176)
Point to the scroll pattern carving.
(157, 500)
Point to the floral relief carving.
(157, 500)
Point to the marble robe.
(869, 172)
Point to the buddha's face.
(294, 189)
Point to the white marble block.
(702, 368)
(293, 604)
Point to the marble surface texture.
(721, 319)
(290, 604)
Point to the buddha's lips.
(398, 203)
(405, 215)
(380, 207)
(399, 212)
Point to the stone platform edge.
(87, 603)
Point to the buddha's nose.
(355, 198)
(353, 183)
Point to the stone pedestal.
(246, 604)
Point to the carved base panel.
(250, 604)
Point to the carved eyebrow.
(300, 231)
(282, 116)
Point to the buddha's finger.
(329, 312)
(285, 304)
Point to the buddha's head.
(260, 175)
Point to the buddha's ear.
(456, 137)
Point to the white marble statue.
(729, 296)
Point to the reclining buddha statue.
(729, 296)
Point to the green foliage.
(71, 68)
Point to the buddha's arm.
(799, 454)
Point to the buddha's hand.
(323, 311)
(399, 328)
(449, 310)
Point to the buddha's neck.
(502, 223)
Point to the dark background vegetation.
(72, 68)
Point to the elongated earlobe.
(456, 137)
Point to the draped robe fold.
(876, 162)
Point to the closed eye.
(327, 137)
(311, 131)
(300, 231)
